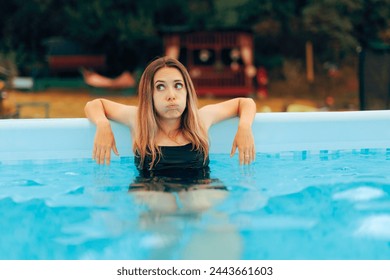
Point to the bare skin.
(169, 100)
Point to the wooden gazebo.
(219, 62)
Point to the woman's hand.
(104, 143)
(245, 143)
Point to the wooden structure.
(65, 56)
(219, 62)
(73, 63)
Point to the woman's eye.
(179, 86)
(160, 87)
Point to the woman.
(168, 130)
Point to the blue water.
(293, 205)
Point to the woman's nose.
(171, 93)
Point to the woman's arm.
(99, 111)
(245, 109)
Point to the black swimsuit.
(173, 158)
(179, 168)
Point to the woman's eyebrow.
(175, 81)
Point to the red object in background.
(262, 82)
(329, 101)
(220, 62)
(63, 63)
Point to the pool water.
(292, 205)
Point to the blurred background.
(289, 55)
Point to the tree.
(283, 27)
(277, 26)
(25, 24)
(128, 31)
(124, 30)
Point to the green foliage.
(124, 30)
(129, 31)
(337, 27)
(25, 25)
(226, 13)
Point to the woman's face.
(169, 93)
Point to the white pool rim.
(25, 139)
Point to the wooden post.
(309, 62)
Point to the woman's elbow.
(249, 102)
(87, 107)
(90, 105)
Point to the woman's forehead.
(167, 74)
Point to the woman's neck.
(170, 134)
(169, 126)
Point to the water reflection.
(180, 217)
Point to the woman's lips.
(172, 106)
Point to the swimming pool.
(319, 189)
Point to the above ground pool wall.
(274, 132)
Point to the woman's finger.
(108, 156)
(233, 150)
(242, 156)
(101, 156)
(94, 151)
(115, 149)
(248, 156)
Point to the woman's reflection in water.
(181, 217)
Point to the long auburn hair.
(148, 122)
